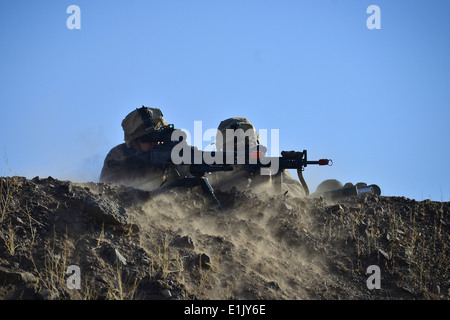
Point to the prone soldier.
(241, 179)
(120, 166)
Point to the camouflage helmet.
(329, 185)
(142, 121)
(251, 136)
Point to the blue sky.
(375, 101)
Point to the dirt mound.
(65, 240)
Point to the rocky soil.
(132, 244)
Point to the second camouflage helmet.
(251, 136)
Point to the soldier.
(120, 165)
(333, 189)
(240, 178)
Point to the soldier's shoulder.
(118, 151)
(119, 147)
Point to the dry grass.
(8, 189)
(9, 239)
(122, 288)
(410, 250)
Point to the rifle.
(160, 156)
(289, 160)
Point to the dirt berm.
(132, 244)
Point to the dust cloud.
(252, 245)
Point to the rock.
(285, 207)
(204, 261)
(115, 256)
(274, 285)
(64, 188)
(17, 221)
(336, 208)
(183, 242)
(385, 254)
(408, 289)
(46, 294)
(105, 210)
(354, 209)
(12, 276)
(166, 293)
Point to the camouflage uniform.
(119, 166)
(240, 178)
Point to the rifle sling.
(302, 180)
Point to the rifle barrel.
(321, 162)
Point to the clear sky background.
(377, 102)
